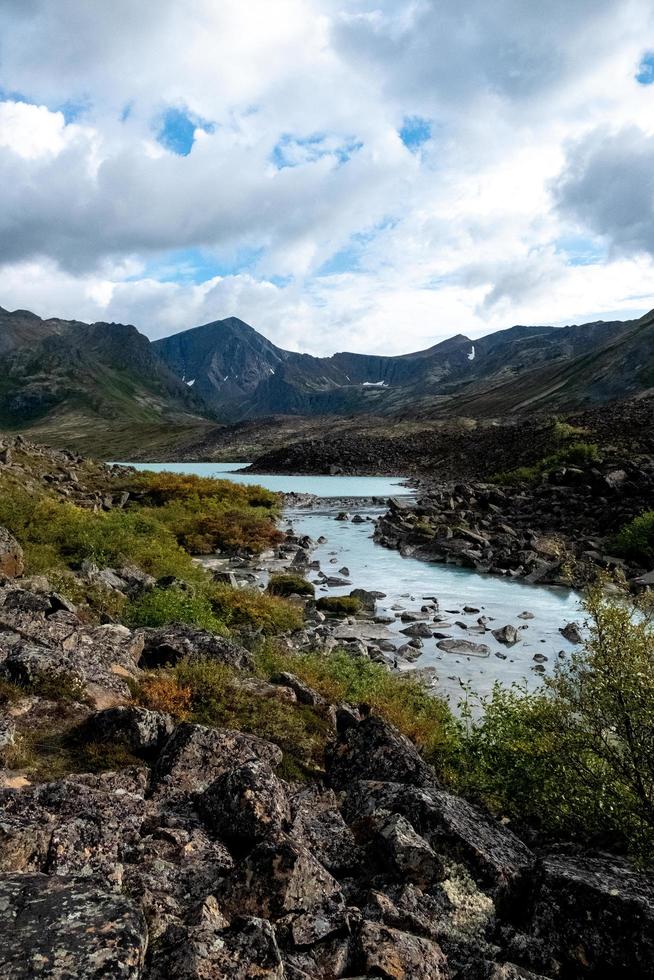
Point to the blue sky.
(353, 175)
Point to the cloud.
(365, 175)
(607, 186)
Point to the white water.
(407, 581)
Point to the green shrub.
(339, 605)
(576, 454)
(402, 700)
(636, 539)
(285, 585)
(577, 756)
(251, 609)
(158, 607)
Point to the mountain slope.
(80, 383)
(242, 375)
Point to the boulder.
(465, 647)
(374, 749)
(144, 732)
(166, 645)
(60, 927)
(12, 561)
(208, 951)
(386, 952)
(571, 632)
(403, 852)
(277, 877)
(418, 630)
(508, 635)
(594, 914)
(451, 826)
(195, 756)
(319, 825)
(246, 805)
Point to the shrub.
(253, 610)
(158, 607)
(402, 700)
(339, 605)
(577, 756)
(576, 454)
(636, 539)
(285, 585)
(163, 692)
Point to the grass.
(338, 605)
(158, 607)
(575, 454)
(288, 584)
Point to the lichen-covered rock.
(594, 914)
(403, 852)
(143, 731)
(195, 756)
(452, 827)
(246, 805)
(245, 951)
(276, 878)
(166, 645)
(319, 825)
(386, 952)
(12, 560)
(26, 663)
(374, 749)
(61, 928)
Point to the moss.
(339, 605)
(285, 585)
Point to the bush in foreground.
(288, 584)
(577, 756)
(636, 539)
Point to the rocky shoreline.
(557, 532)
(201, 861)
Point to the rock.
(405, 853)
(226, 577)
(245, 951)
(343, 516)
(451, 826)
(526, 615)
(344, 571)
(374, 749)
(571, 632)
(418, 630)
(144, 732)
(595, 914)
(471, 610)
(25, 601)
(26, 664)
(62, 927)
(276, 878)
(12, 560)
(368, 599)
(508, 635)
(166, 645)
(466, 647)
(386, 952)
(195, 756)
(319, 825)
(303, 693)
(358, 519)
(246, 805)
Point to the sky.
(359, 175)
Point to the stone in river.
(526, 615)
(571, 632)
(418, 630)
(464, 647)
(508, 635)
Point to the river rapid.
(408, 583)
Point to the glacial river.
(407, 582)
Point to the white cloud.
(468, 235)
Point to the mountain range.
(105, 387)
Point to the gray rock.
(166, 645)
(419, 630)
(374, 749)
(386, 952)
(61, 927)
(508, 635)
(195, 756)
(246, 805)
(465, 647)
(144, 732)
(12, 560)
(571, 632)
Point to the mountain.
(241, 375)
(88, 385)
